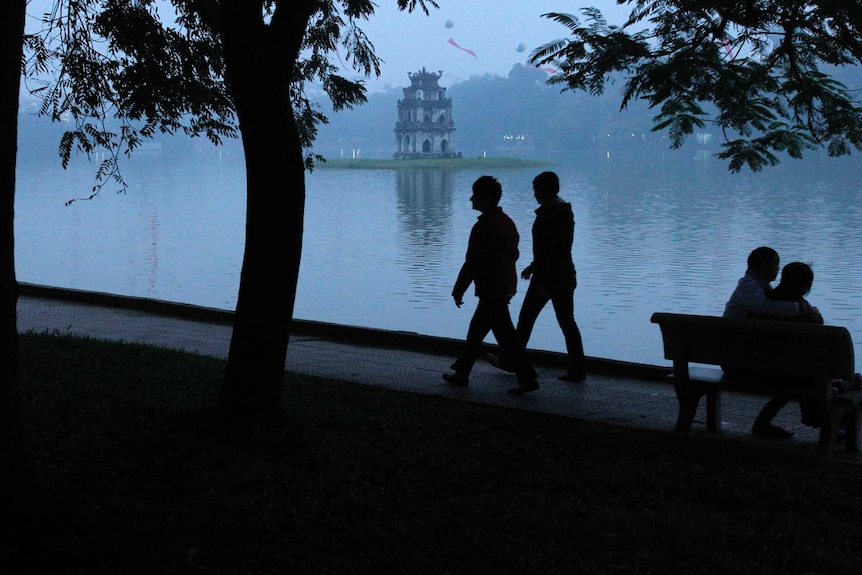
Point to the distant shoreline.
(460, 163)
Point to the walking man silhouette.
(552, 275)
(492, 251)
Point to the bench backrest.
(758, 345)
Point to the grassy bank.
(449, 163)
(359, 479)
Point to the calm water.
(382, 248)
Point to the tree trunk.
(47, 524)
(13, 458)
(259, 60)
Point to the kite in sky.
(449, 24)
(728, 48)
(471, 52)
(338, 53)
(542, 68)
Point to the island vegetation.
(430, 163)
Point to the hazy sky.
(493, 29)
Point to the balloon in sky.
(449, 23)
(520, 47)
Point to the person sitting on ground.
(750, 299)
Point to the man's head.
(487, 192)
(546, 186)
(763, 262)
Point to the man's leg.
(534, 300)
(564, 308)
(480, 325)
(512, 348)
(763, 425)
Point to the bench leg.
(830, 421)
(847, 420)
(830, 424)
(837, 418)
(851, 428)
(713, 410)
(827, 439)
(688, 400)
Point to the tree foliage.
(217, 68)
(754, 68)
(122, 72)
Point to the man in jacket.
(551, 274)
(490, 265)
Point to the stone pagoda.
(425, 128)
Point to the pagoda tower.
(425, 128)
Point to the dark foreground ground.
(359, 479)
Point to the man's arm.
(749, 297)
(467, 275)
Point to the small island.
(447, 163)
(425, 136)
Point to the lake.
(655, 231)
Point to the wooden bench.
(801, 352)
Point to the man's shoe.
(525, 388)
(498, 363)
(770, 430)
(573, 377)
(456, 379)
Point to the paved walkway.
(615, 393)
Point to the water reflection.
(425, 229)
